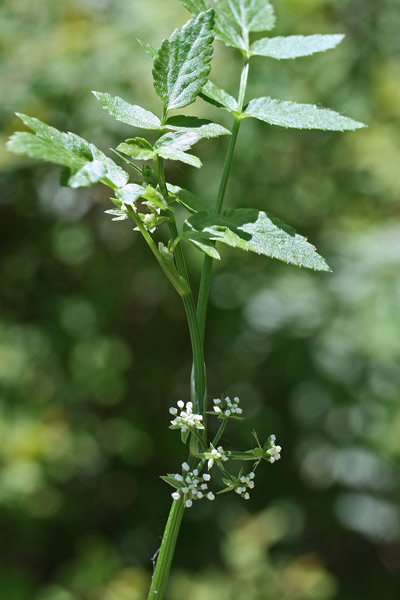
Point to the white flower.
(187, 419)
(191, 486)
(215, 454)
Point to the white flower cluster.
(227, 407)
(275, 451)
(246, 483)
(192, 486)
(215, 454)
(186, 419)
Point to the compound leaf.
(182, 64)
(299, 116)
(215, 95)
(130, 114)
(294, 46)
(255, 231)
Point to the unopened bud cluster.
(246, 482)
(186, 420)
(191, 486)
(275, 451)
(227, 407)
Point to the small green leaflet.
(204, 128)
(178, 140)
(298, 116)
(115, 174)
(204, 244)
(187, 199)
(173, 145)
(214, 95)
(250, 15)
(170, 479)
(137, 148)
(195, 6)
(130, 114)
(255, 231)
(130, 193)
(87, 164)
(147, 48)
(90, 173)
(174, 154)
(294, 46)
(154, 198)
(182, 64)
(227, 34)
(117, 214)
(65, 149)
(224, 30)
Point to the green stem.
(208, 261)
(163, 565)
(219, 433)
(199, 382)
(196, 322)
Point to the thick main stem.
(196, 322)
(199, 372)
(163, 565)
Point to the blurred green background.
(94, 346)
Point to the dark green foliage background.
(94, 346)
